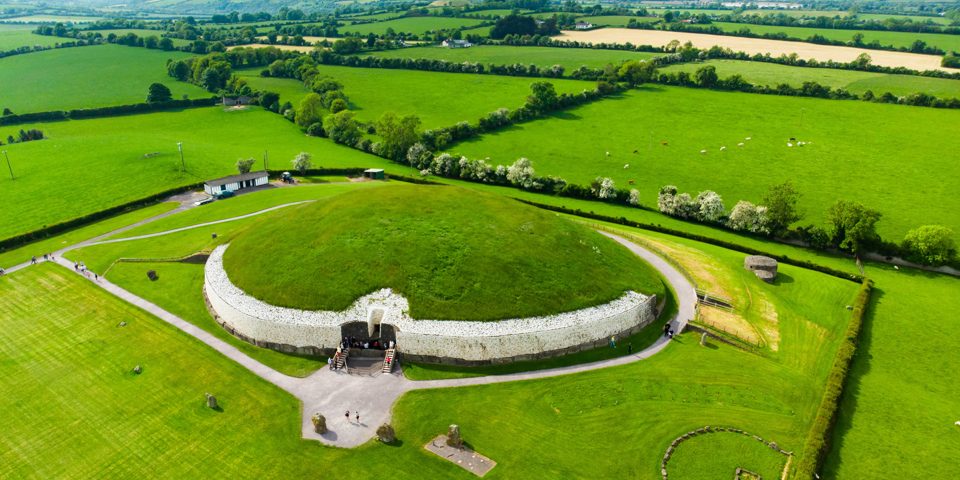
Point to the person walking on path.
(96, 277)
(358, 417)
(666, 330)
(629, 348)
(613, 342)
(33, 260)
(76, 266)
(348, 416)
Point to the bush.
(818, 439)
(316, 130)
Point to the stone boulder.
(453, 436)
(386, 434)
(765, 268)
(137, 369)
(211, 401)
(152, 275)
(319, 423)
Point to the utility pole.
(183, 167)
(8, 165)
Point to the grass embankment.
(87, 77)
(759, 73)
(451, 97)
(52, 244)
(901, 147)
(544, 57)
(178, 290)
(897, 39)
(453, 253)
(88, 165)
(245, 204)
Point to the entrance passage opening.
(373, 322)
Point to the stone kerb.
(437, 341)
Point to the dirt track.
(752, 46)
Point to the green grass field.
(414, 25)
(616, 20)
(544, 57)
(439, 99)
(901, 147)
(897, 39)
(104, 168)
(498, 259)
(52, 244)
(244, 204)
(178, 290)
(95, 76)
(854, 81)
(15, 38)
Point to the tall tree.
(158, 92)
(310, 110)
(781, 202)
(854, 226)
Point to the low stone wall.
(429, 341)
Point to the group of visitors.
(81, 268)
(352, 342)
(47, 257)
(348, 416)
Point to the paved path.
(332, 393)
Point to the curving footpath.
(333, 392)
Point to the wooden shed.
(374, 173)
(236, 182)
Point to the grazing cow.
(626, 166)
(723, 148)
(703, 151)
(740, 144)
(634, 151)
(664, 144)
(631, 182)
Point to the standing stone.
(319, 423)
(386, 434)
(703, 339)
(453, 436)
(123, 324)
(137, 369)
(211, 401)
(152, 275)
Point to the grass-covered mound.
(453, 253)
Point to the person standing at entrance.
(348, 416)
(358, 417)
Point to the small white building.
(456, 44)
(236, 182)
(583, 25)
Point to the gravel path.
(334, 392)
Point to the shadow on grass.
(782, 279)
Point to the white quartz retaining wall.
(437, 339)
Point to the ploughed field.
(454, 253)
(892, 158)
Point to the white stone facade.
(465, 340)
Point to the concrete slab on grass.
(463, 457)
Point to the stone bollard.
(386, 434)
(319, 423)
(137, 369)
(703, 339)
(453, 436)
(151, 275)
(211, 401)
(214, 235)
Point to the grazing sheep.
(703, 151)
(958, 423)
(608, 154)
(740, 144)
(626, 166)
(631, 182)
(896, 267)
(789, 144)
(723, 148)
(748, 138)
